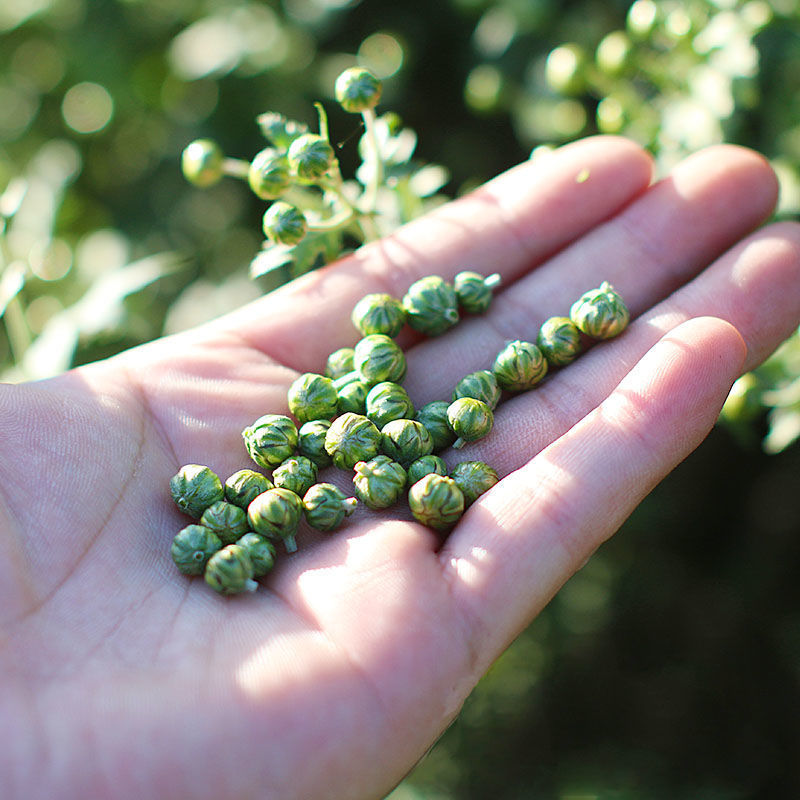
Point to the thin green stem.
(374, 155)
(236, 167)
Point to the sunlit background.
(669, 666)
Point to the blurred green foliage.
(669, 667)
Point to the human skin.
(122, 678)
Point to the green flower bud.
(310, 156)
(280, 130)
(268, 175)
(276, 514)
(600, 313)
(519, 366)
(226, 520)
(202, 163)
(470, 420)
(379, 482)
(482, 385)
(297, 474)
(560, 341)
(312, 396)
(433, 416)
(194, 488)
(378, 313)
(387, 401)
(192, 547)
(326, 505)
(350, 439)
(352, 392)
(377, 358)
(425, 466)
(565, 69)
(473, 478)
(243, 486)
(614, 52)
(474, 292)
(260, 551)
(270, 440)
(431, 305)
(284, 223)
(436, 501)
(339, 363)
(311, 441)
(357, 90)
(230, 571)
(405, 440)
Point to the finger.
(658, 242)
(755, 287)
(508, 226)
(521, 541)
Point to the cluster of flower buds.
(357, 417)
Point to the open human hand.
(121, 678)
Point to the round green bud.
(270, 440)
(194, 488)
(284, 223)
(230, 571)
(226, 520)
(425, 466)
(261, 552)
(350, 439)
(377, 358)
(192, 547)
(473, 478)
(296, 474)
(379, 482)
(357, 90)
(202, 163)
(614, 52)
(431, 305)
(433, 416)
(311, 441)
(436, 501)
(378, 313)
(474, 292)
(268, 175)
(560, 341)
(405, 440)
(280, 130)
(519, 366)
(276, 514)
(326, 505)
(387, 401)
(470, 420)
(312, 396)
(310, 156)
(243, 486)
(482, 385)
(352, 391)
(565, 69)
(339, 363)
(744, 402)
(600, 313)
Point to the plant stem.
(376, 176)
(236, 167)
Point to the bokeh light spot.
(382, 54)
(87, 107)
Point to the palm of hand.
(337, 674)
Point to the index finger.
(509, 225)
